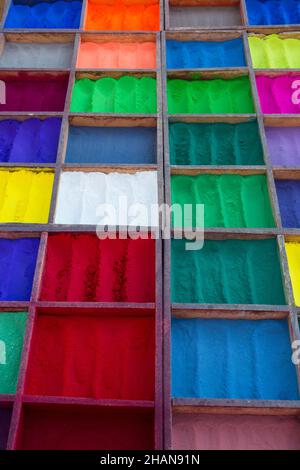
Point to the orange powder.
(117, 55)
(123, 15)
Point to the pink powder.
(235, 432)
(279, 94)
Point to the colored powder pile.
(204, 16)
(193, 431)
(123, 15)
(17, 266)
(215, 96)
(5, 416)
(278, 95)
(288, 193)
(293, 256)
(30, 141)
(127, 94)
(93, 356)
(36, 55)
(237, 359)
(84, 268)
(35, 93)
(227, 272)
(283, 145)
(274, 52)
(82, 196)
(206, 54)
(269, 12)
(87, 428)
(215, 144)
(229, 200)
(117, 55)
(117, 145)
(25, 196)
(12, 329)
(44, 14)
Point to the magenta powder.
(279, 95)
(35, 92)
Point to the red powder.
(86, 428)
(92, 355)
(35, 93)
(80, 267)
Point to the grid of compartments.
(231, 130)
(67, 71)
(81, 313)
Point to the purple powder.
(288, 192)
(284, 145)
(33, 140)
(5, 415)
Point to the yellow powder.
(293, 255)
(25, 196)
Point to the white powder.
(83, 198)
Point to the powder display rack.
(106, 420)
(199, 421)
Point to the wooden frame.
(229, 311)
(42, 230)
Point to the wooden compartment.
(33, 91)
(36, 51)
(40, 15)
(74, 427)
(129, 143)
(208, 431)
(203, 50)
(203, 14)
(132, 51)
(93, 353)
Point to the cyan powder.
(236, 359)
(215, 144)
(227, 272)
(205, 54)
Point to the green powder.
(217, 96)
(12, 328)
(215, 144)
(127, 94)
(227, 271)
(273, 52)
(229, 200)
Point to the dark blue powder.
(195, 54)
(29, 141)
(5, 415)
(273, 12)
(232, 359)
(17, 266)
(288, 192)
(111, 145)
(43, 14)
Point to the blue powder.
(111, 145)
(288, 192)
(236, 359)
(29, 141)
(17, 266)
(192, 54)
(273, 12)
(43, 14)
